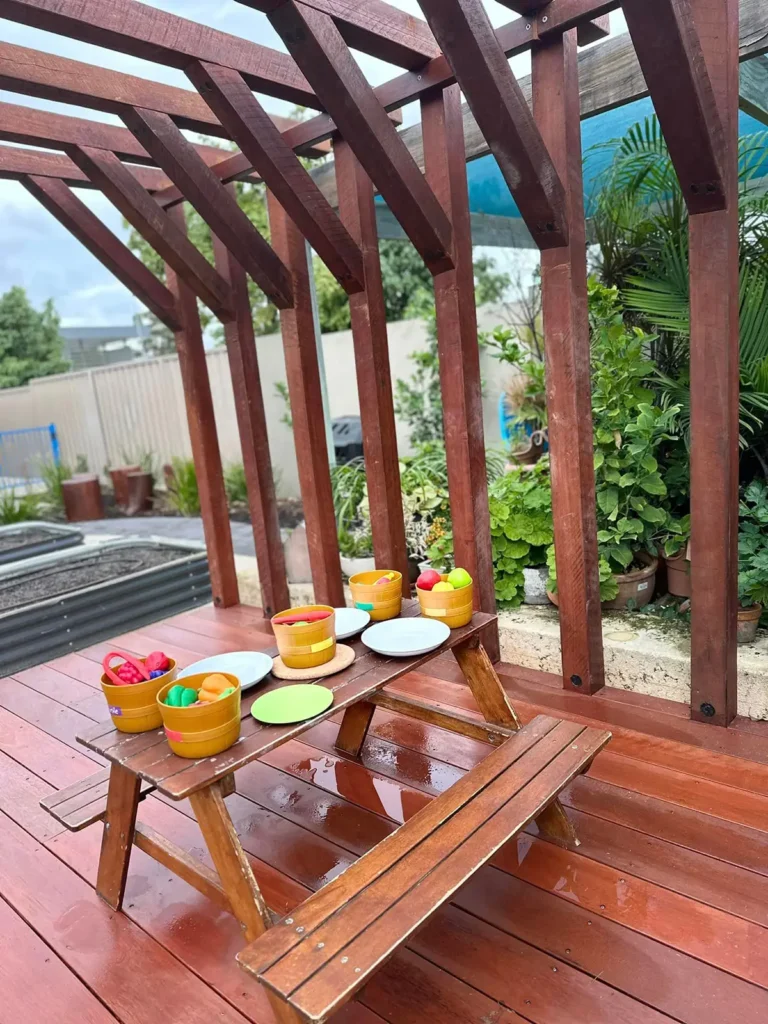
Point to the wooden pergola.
(688, 54)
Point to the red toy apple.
(157, 660)
(428, 579)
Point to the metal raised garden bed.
(28, 540)
(62, 602)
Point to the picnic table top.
(149, 756)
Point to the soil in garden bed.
(26, 537)
(78, 573)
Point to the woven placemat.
(343, 659)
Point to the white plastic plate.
(406, 638)
(350, 621)
(250, 667)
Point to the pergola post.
(714, 274)
(297, 325)
(203, 436)
(254, 443)
(374, 379)
(459, 354)
(555, 81)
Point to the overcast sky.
(44, 258)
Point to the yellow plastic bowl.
(453, 607)
(306, 646)
(134, 708)
(381, 601)
(203, 731)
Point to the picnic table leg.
(492, 699)
(235, 874)
(119, 824)
(354, 727)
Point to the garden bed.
(60, 603)
(35, 538)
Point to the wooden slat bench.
(85, 802)
(321, 954)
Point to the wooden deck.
(661, 915)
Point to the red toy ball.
(157, 661)
(428, 579)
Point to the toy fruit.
(157, 672)
(428, 579)
(180, 696)
(442, 586)
(385, 579)
(213, 687)
(459, 578)
(128, 673)
(157, 662)
(299, 623)
(302, 618)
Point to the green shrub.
(521, 528)
(17, 510)
(53, 475)
(753, 545)
(183, 494)
(235, 484)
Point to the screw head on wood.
(577, 680)
(708, 709)
(289, 920)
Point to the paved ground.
(173, 528)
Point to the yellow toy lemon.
(442, 586)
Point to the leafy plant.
(527, 393)
(30, 342)
(143, 457)
(183, 494)
(629, 433)
(521, 528)
(281, 390)
(53, 475)
(753, 545)
(235, 484)
(609, 588)
(17, 510)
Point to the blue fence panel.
(24, 452)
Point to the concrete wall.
(115, 413)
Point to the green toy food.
(180, 696)
(459, 578)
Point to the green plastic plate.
(291, 704)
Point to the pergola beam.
(251, 128)
(218, 207)
(59, 199)
(16, 162)
(753, 88)
(588, 31)
(669, 50)
(154, 35)
(315, 42)
(155, 225)
(466, 35)
(374, 27)
(29, 126)
(49, 77)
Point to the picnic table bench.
(315, 960)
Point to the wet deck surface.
(661, 915)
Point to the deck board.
(661, 914)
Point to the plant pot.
(536, 585)
(529, 453)
(352, 566)
(381, 600)
(141, 487)
(307, 646)
(119, 477)
(453, 607)
(636, 586)
(679, 575)
(747, 623)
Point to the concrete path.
(170, 527)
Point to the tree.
(30, 342)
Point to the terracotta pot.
(82, 498)
(679, 576)
(119, 477)
(636, 586)
(748, 621)
(531, 451)
(140, 490)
